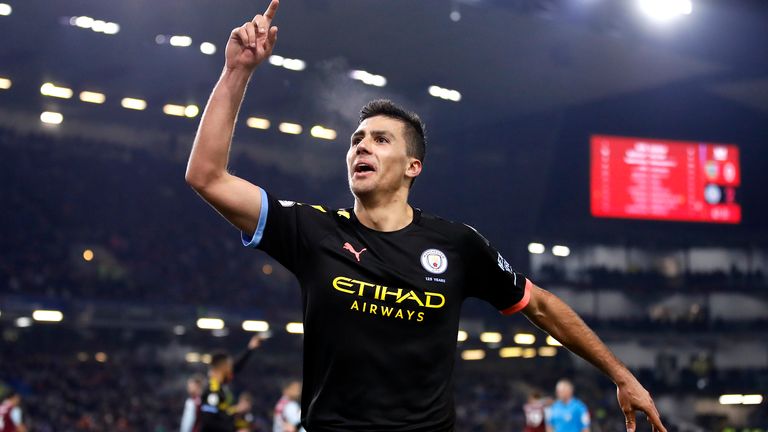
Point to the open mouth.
(362, 169)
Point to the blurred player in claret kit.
(535, 413)
(382, 282)
(217, 403)
(287, 414)
(192, 404)
(11, 417)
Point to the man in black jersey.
(382, 283)
(218, 410)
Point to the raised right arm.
(238, 200)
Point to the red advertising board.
(640, 178)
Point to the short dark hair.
(218, 358)
(415, 130)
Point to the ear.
(414, 168)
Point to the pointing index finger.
(271, 9)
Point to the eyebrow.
(373, 132)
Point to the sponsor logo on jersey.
(348, 247)
(286, 203)
(434, 261)
(213, 399)
(370, 290)
(343, 213)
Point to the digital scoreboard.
(639, 178)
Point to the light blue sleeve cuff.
(254, 240)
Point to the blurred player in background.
(244, 416)
(535, 413)
(382, 282)
(567, 414)
(217, 407)
(287, 410)
(11, 417)
(192, 404)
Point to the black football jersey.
(381, 311)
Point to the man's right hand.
(252, 42)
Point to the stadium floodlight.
(5, 9)
(98, 26)
(731, 399)
(318, 131)
(92, 97)
(752, 399)
(5, 83)
(192, 357)
(134, 104)
(529, 353)
(255, 326)
(180, 41)
(287, 63)
(173, 110)
(276, 60)
(525, 339)
(462, 336)
(51, 118)
(510, 352)
(23, 322)
(290, 128)
(444, 93)
(368, 78)
(210, 323)
(561, 251)
(47, 315)
(294, 328)
(83, 22)
(665, 10)
(100, 357)
(191, 111)
(207, 48)
(88, 255)
(490, 337)
(257, 123)
(547, 351)
(52, 90)
(206, 358)
(473, 354)
(553, 342)
(111, 28)
(294, 64)
(536, 248)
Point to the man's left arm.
(549, 313)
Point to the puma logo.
(349, 247)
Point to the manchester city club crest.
(434, 261)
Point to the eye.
(381, 139)
(355, 141)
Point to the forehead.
(380, 123)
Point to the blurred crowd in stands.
(143, 388)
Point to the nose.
(362, 147)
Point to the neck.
(387, 213)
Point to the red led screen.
(640, 178)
